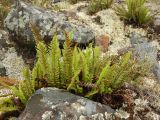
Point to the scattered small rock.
(103, 41)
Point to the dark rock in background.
(55, 104)
(48, 22)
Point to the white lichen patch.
(122, 114)
(57, 105)
(62, 115)
(48, 89)
(98, 116)
(141, 102)
(45, 100)
(149, 83)
(5, 91)
(47, 115)
(82, 101)
(82, 117)
(152, 116)
(79, 108)
(14, 64)
(108, 116)
(130, 29)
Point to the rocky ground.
(144, 101)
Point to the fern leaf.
(19, 93)
(72, 84)
(42, 57)
(91, 93)
(28, 81)
(85, 69)
(54, 62)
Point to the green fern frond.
(18, 92)
(42, 57)
(29, 83)
(54, 62)
(6, 104)
(91, 93)
(102, 77)
(85, 68)
(74, 82)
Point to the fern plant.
(82, 72)
(22, 91)
(134, 12)
(85, 73)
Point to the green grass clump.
(97, 5)
(134, 12)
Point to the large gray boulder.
(55, 104)
(48, 22)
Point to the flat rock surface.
(55, 104)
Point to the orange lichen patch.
(7, 81)
(103, 41)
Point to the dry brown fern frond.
(7, 81)
(36, 33)
(67, 40)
